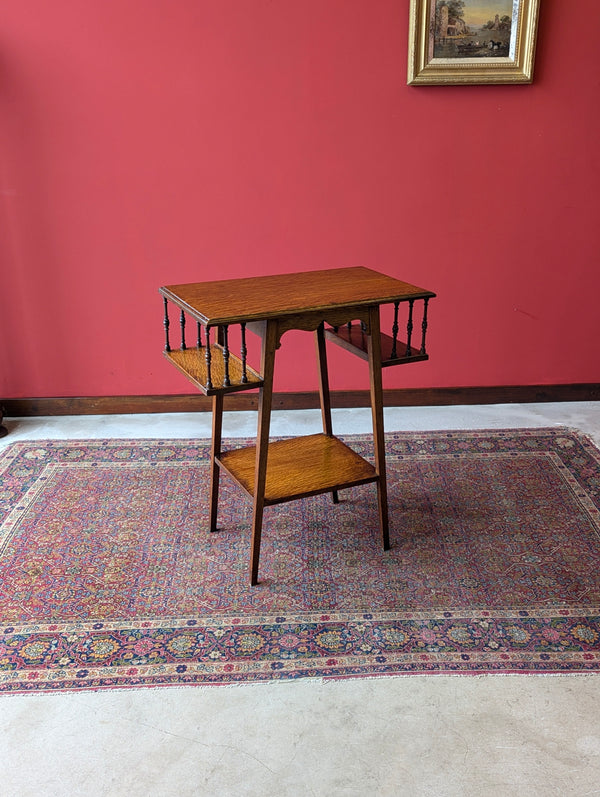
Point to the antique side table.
(348, 301)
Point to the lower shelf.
(300, 467)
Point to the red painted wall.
(145, 142)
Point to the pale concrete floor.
(414, 735)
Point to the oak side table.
(338, 305)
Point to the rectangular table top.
(260, 298)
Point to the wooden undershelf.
(192, 363)
(300, 467)
(353, 339)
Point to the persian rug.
(109, 577)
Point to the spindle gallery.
(211, 366)
(338, 305)
(393, 351)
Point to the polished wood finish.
(299, 467)
(270, 306)
(374, 354)
(194, 363)
(395, 397)
(217, 432)
(267, 367)
(324, 393)
(354, 339)
(280, 295)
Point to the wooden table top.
(260, 298)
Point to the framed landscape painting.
(452, 42)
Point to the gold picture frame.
(451, 42)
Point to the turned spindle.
(182, 325)
(166, 324)
(424, 325)
(243, 353)
(395, 331)
(225, 333)
(409, 327)
(208, 357)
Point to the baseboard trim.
(419, 397)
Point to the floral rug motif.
(109, 577)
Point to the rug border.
(324, 668)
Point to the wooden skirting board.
(419, 397)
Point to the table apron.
(311, 321)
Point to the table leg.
(374, 354)
(217, 427)
(324, 395)
(269, 345)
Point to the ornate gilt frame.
(425, 69)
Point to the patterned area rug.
(109, 577)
